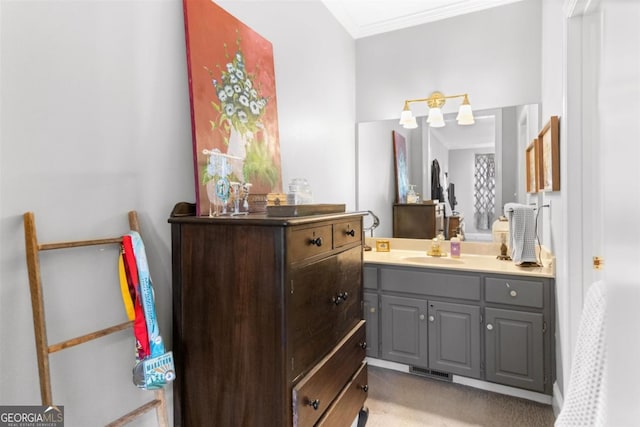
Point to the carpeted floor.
(398, 399)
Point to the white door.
(614, 206)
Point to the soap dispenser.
(455, 247)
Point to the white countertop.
(475, 256)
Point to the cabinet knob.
(432, 319)
(422, 317)
(513, 293)
(351, 232)
(317, 241)
(363, 345)
(489, 326)
(342, 296)
(365, 388)
(314, 403)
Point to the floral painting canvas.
(234, 120)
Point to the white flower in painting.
(237, 88)
(254, 93)
(240, 59)
(240, 74)
(229, 90)
(244, 100)
(233, 78)
(222, 95)
(255, 108)
(230, 67)
(248, 84)
(229, 109)
(242, 116)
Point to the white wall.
(411, 63)
(494, 55)
(95, 121)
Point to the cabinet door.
(454, 338)
(514, 348)
(404, 330)
(371, 316)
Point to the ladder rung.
(125, 419)
(88, 337)
(78, 243)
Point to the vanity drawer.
(347, 406)
(430, 284)
(347, 232)
(370, 277)
(325, 302)
(526, 293)
(315, 392)
(307, 242)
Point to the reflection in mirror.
(503, 132)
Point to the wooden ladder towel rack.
(43, 349)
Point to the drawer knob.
(432, 319)
(490, 326)
(314, 403)
(421, 317)
(317, 241)
(365, 388)
(342, 296)
(363, 345)
(351, 233)
(513, 293)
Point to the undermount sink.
(432, 260)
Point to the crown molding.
(344, 12)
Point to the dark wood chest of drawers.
(267, 320)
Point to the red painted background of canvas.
(208, 28)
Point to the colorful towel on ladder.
(154, 365)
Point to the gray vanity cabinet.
(519, 348)
(404, 330)
(493, 327)
(514, 348)
(454, 338)
(370, 311)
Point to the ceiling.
(362, 18)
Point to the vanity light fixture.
(435, 101)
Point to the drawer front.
(307, 242)
(315, 392)
(325, 302)
(431, 284)
(348, 404)
(347, 232)
(370, 277)
(526, 293)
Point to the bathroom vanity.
(475, 316)
(267, 320)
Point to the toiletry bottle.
(455, 247)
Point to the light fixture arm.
(436, 100)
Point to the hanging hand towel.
(522, 232)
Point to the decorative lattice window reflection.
(484, 191)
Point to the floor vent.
(431, 373)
